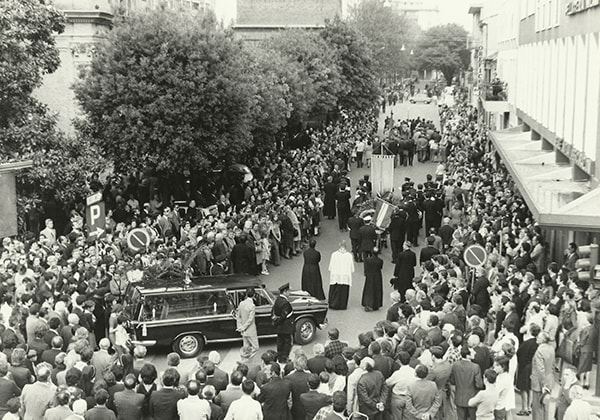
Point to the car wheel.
(306, 330)
(189, 345)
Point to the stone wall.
(287, 12)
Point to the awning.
(554, 198)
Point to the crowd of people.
(453, 344)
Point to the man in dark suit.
(429, 251)
(329, 189)
(298, 380)
(511, 319)
(368, 238)
(480, 292)
(397, 230)
(221, 376)
(354, 224)
(282, 314)
(313, 400)
(53, 326)
(466, 378)
(371, 391)
(163, 403)
(316, 364)
(217, 381)
(404, 271)
(434, 332)
(49, 355)
(242, 257)
(413, 223)
(100, 412)
(274, 394)
(232, 392)
(432, 207)
(128, 402)
(342, 198)
(446, 232)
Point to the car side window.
(187, 305)
(260, 298)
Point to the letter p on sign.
(95, 216)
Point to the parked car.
(189, 315)
(419, 97)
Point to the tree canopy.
(170, 92)
(28, 51)
(353, 56)
(27, 129)
(312, 71)
(443, 48)
(386, 32)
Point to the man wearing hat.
(281, 315)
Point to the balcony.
(494, 91)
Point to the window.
(187, 305)
(260, 297)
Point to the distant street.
(354, 320)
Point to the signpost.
(475, 256)
(95, 216)
(138, 239)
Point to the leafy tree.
(354, 58)
(310, 71)
(386, 32)
(28, 131)
(27, 52)
(443, 48)
(61, 163)
(274, 97)
(169, 91)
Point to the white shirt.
(193, 408)
(401, 379)
(244, 408)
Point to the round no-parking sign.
(138, 239)
(475, 256)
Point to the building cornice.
(89, 16)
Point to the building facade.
(545, 124)
(88, 22)
(256, 20)
(424, 13)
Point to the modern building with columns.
(546, 125)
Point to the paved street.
(354, 320)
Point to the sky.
(451, 11)
(456, 11)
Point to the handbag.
(566, 350)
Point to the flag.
(383, 213)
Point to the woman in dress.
(275, 239)
(341, 267)
(524, 360)
(585, 346)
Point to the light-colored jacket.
(245, 318)
(542, 369)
